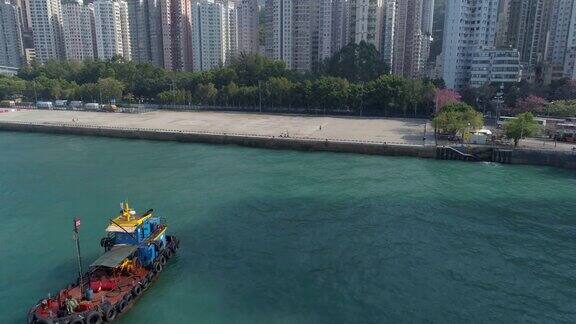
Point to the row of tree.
(353, 80)
(460, 119)
(554, 99)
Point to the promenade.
(393, 131)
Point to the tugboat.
(136, 249)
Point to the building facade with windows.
(469, 27)
(46, 18)
(11, 44)
(77, 26)
(495, 66)
(112, 29)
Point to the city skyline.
(537, 38)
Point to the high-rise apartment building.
(469, 26)
(112, 29)
(304, 33)
(388, 31)
(279, 29)
(176, 34)
(46, 20)
(77, 28)
(523, 25)
(248, 42)
(160, 33)
(25, 21)
(532, 35)
(561, 51)
(302, 24)
(407, 49)
(491, 65)
(340, 25)
(427, 30)
(407, 35)
(146, 31)
(229, 33)
(11, 46)
(366, 21)
(214, 35)
(321, 30)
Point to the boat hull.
(112, 297)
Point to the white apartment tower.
(322, 38)
(214, 37)
(77, 28)
(11, 48)
(469, 26)
(229, 33)
(248, 42)
(46, 20)
(279, 29)
(112, 29)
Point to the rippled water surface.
(292, 237)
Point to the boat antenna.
(79, 256)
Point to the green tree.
(277, 91)
(331, 92)
(561, 108)
(206, 93)
(356, 63)
(388, 95)
(109, 89)
(88, 92)
(457, 118)
(252, 68)
(523, 125)
(176, 97)
(10, 86)
(229, 93)
(248, 96)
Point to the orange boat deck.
(122, 284)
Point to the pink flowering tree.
(532, 104)
(443, 97)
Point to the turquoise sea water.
(293, 237)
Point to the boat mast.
(77, 239)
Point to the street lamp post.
(259, 96)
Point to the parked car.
(92, 106)
(44, 105)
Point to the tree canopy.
(457, 118)
(354, 82)
(356, 63)
(523, 125)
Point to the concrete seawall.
(550, 158)
(532, 157)
(236, 139)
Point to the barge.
(136, 249)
